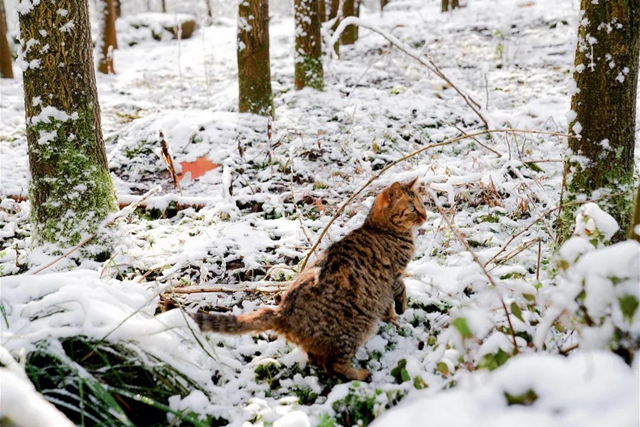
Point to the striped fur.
(334, 305)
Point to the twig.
(542, 216)
(295, 206)
(516, 251)
(484, 270)
(429, 63)
(565, 351)
(108, 221)
(167, 156)
(402, 159)
(268, 287)
(539, 257)
(475, 139)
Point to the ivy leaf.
(443, 368)
(463, 327)
(515, 310)
(628, 306)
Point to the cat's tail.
(260, 320)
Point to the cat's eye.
(412, 208)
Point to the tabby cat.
(333, 306)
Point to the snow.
(569, 394)
(24, 406)
(236, 223)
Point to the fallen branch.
(267, 287)
(402, 159)
(108, 221)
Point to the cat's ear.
(394, 192)
(411, 184)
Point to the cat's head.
(398, 207)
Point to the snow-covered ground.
(265, 205)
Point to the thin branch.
(402, 159)
(428, 63)
(464, 242)
(267, 287)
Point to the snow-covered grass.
(88, 333)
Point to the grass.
(105, 384)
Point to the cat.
(334, 305)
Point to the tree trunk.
(383, 3)
(308, 52)
(109, 40)
(322, 10)
(118, 8)
(254, 68)
(71, 190)
(450, 4)
(635, 222)
(6, 67)
(164, 6)
(350, 34)
(333, 10)
(599, 162)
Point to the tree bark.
(71, 190)
(383, 3)
(350, 34)
(450, 4)
(600, 160)
(254, 68)
(308, 50)
(322, 10)
(6, 61)
(635, 222)
(109, 40)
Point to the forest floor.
(254, 217)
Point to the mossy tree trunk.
(599, 162)
(109, 40)
(350, 34)
(635, 221)
(254, 68)
(6, 67)
(450, 5)
(71, 190)
(308, 51)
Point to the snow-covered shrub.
(597, 294)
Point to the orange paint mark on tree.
(198, 168)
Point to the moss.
(72, 193)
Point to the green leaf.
(419, 384)
(404, 375)
(463, 327)
(515, 310)
(628, 306)
(443, 368)
(399, 373)
(525, 399)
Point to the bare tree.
(308, 50)
(450, 5)
(254, 68)
(600, 160)
(71, 190)
(6, 62)
(350, 34)
(109, 40)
